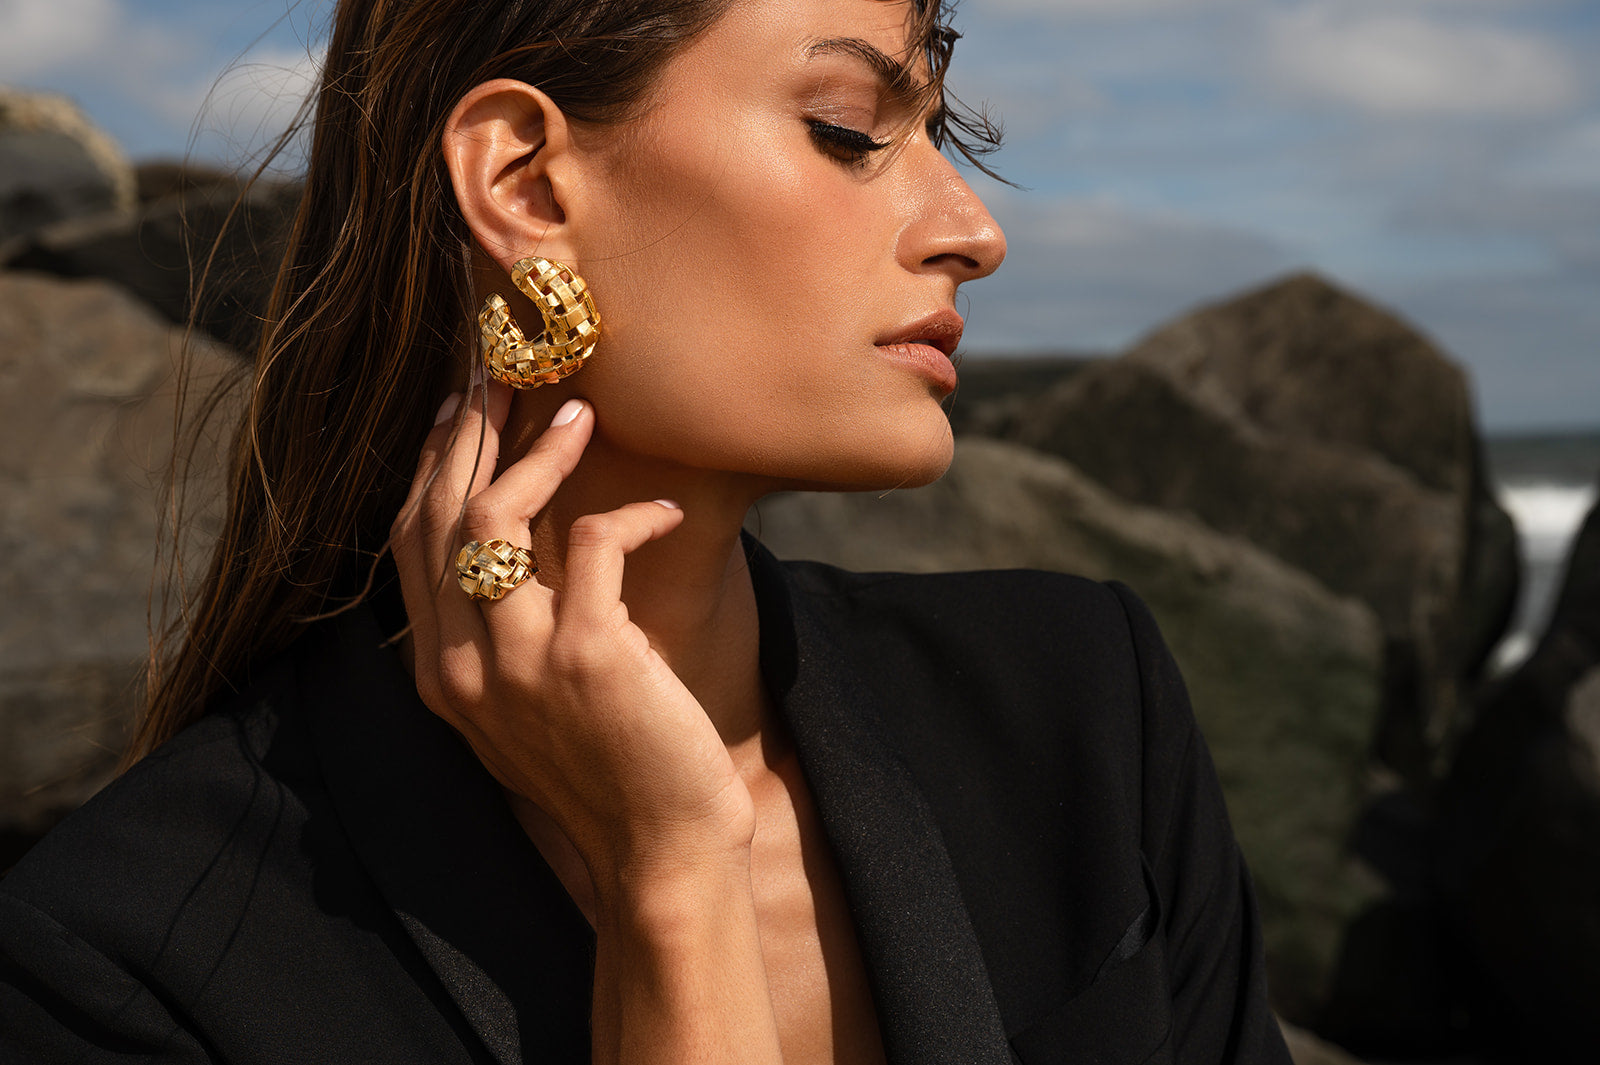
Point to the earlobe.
(505, 147)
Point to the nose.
(950, 231)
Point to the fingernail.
(669, 504)
(569, 410)
(447, 410)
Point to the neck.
(690, 592)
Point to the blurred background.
(1299, 336)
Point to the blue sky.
(1439, 156)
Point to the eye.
(849, 146)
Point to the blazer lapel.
(430, 825)
(934, 1000)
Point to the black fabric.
(1030, 834)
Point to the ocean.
(1548, 483)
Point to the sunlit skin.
(778, 309)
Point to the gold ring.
(491, 569)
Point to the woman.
(670, 800)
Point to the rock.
(159, 252)
(55, 165)
(1518, 852)
(1284, 674)
(1328, 433)
(86, 401)
(1493, 578)
(1306, 1049)
(160, 179)
(1305, 360)
(994, 388)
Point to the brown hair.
(371, 309)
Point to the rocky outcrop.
(170, 249)
(86, 402)
(1304, 360)
(55, 165)
(994, 389)
(1330, 434)
(1306, 1049)
(165, 179)
(1284, 674)
(71, 206)
(1518, 851)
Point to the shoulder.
(206, 895)
(169, 833)
(1020, 606)
(1025, 636)
(1041, 587)
(1022, 680)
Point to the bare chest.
(819, 986)
(820, 995)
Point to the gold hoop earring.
(571, 326)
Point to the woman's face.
(763, 276)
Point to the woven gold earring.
(571, 326)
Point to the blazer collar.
(932, 991)
(494, 923)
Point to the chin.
(879, 463)
(932, 464)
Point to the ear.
(508, 149)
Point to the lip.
(927, 345)
(942, 329)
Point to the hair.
(370, 313)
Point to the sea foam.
(1548, 515)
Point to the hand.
(559, 693)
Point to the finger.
(406, 535)
(418, 580)
(466, 466)
(433, 449)
(524, 488)
(596, 548)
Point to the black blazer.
(1032, 840)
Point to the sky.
(1439, 157)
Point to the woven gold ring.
(490, 569)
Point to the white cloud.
(1094, 8)
(41, 35)
(154, 63)
(1571, 159)
(1136, 9)
(245, 107)
(1398, 64)
(1093, 273)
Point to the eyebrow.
(897, 77)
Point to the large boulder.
(86, 413)
(1306, 1049)
(55, 165)
(199, 232)
(995, 387)
(1332, 435)
(1518, 854)
(1284, 674)
(162, 179)
(1304, 359)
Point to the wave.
(1548, 515)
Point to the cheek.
(740, 309)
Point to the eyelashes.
(849, 146)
